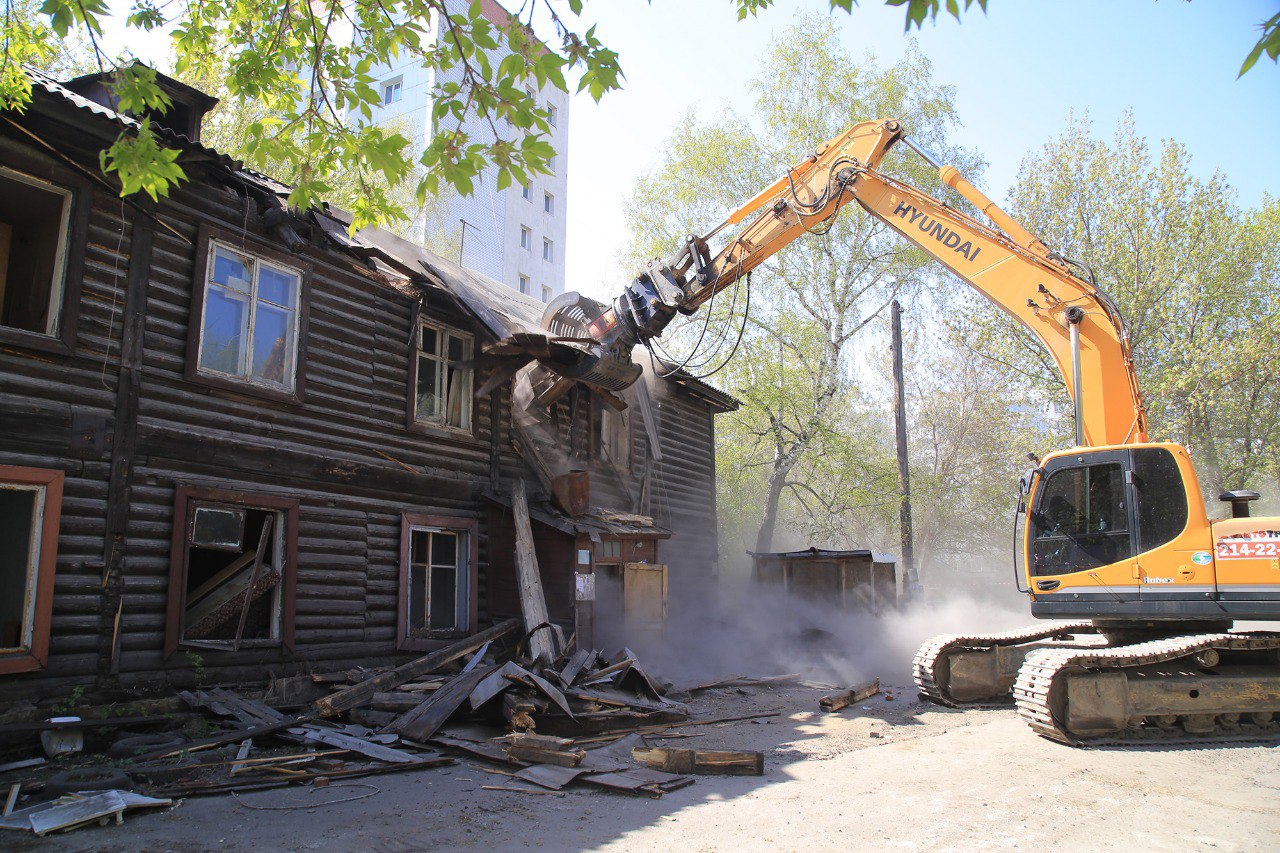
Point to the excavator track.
(1041, 689)
(929, 659)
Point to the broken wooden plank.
(607, 672)
(701, 761)
(66, 816)
(836, 701)
(358, 694)
(493, 684)
(221, 577)
(575, 665)
(425, 720)
(545, 687)
(376, 751)
(549, 775)
(533, 604)
(242, 754)
(228, 737)
(676, 725)
(12, 799)
(395, 701)
(224, 603)
(195, 790)
(542, 755)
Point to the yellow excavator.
(1114, 529)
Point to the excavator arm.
(1069, 315)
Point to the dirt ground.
(884, 773)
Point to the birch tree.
(810, 302)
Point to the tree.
(1193, 274)
(792, 367)
(229, 128)
(310, 64)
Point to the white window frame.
(551, 115)
(526, 238)
(393, 87)
(548, 250)
(546, 293)
(548, 203)
(462, 580)
(245, 367)
(524, 284)
(57, 286)
(524, 191)
(439, 361)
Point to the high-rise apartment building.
(516, 235)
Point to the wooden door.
(644, 597)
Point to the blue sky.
(1018, 72)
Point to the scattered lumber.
(541, 749)
(423, 721)
(701, 761)
(358, 694)
(836, 701)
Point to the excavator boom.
(1070, 316)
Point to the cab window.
(1081, 520)
(1162, 498)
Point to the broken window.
(249, 323)
(445, 374)
(34, 221)
(435, 578)
(231, 570)
(30, 504)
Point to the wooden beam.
(359, 694)
(533, 604)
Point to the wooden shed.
(857, 579)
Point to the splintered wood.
(701, 761)
(836, 701)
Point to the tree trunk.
(777, 481)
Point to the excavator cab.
(1121, 533)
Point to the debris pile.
(568, 716)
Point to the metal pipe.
(929, 158)
(1074, 316)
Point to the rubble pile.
(566, 716)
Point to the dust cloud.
(746, 628)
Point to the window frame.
(547, 294)
(551, 114)
(1066, 464)
(183, 518)
(248, 245)
(548, 250)
(76, 238)
(548, 203)
(36, 655)
(433, 427)
(524, 192)
(398, 83)
(525, 283)
(526, 238)
(467, 529)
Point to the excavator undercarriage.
(1077, 685)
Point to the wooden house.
(236, 442)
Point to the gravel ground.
(885, 772)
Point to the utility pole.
(910, 580)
